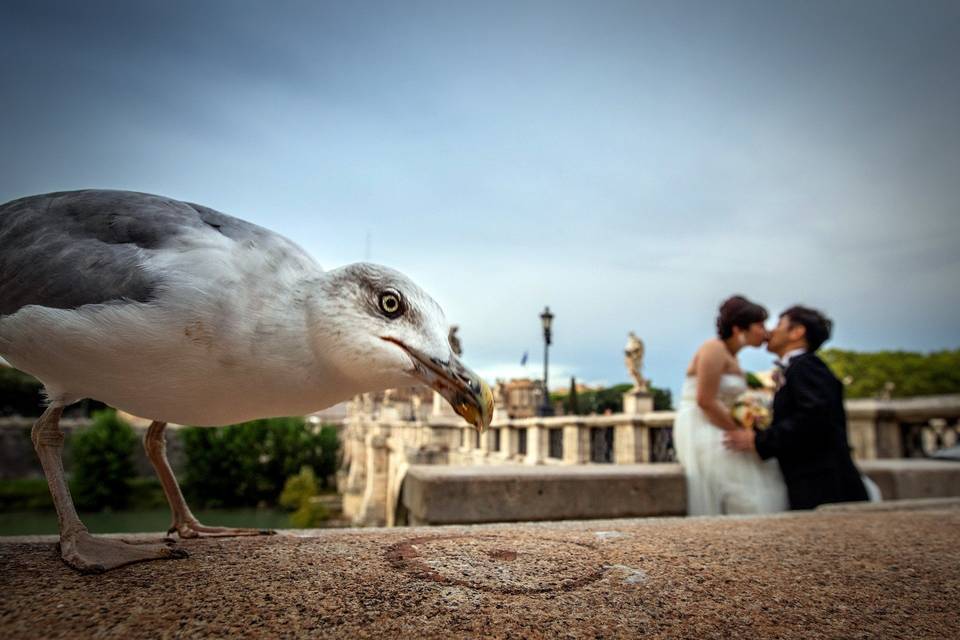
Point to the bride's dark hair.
(737, 311)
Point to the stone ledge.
(800, 575)
(911, 478)
(514, 493)
(921, 504)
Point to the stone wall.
(436, 495)
(19, 460)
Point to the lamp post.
(547, 319)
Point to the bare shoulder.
(710, 351)
(713, 349)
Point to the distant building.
(519, 398)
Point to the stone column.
(373, 509)
(642, 435)
(508, 444)
(889, 442)
(355, 478)
(536, 444)
(576, 443)
(862, 434)
(511, 441)
(625, 445)
(486, 442)
(635, 402)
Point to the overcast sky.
(630, 164)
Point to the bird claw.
(92, 554)
(196, 530)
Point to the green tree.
(865, 375)
(22, 395)
(103, 462)
(611, 398)
(572, 402)
(329, 448)
(298, 494)
(247, 464)
(662, 399)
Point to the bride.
(721, 481)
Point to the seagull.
(179, 313)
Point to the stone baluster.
(626, 447)
(536, 444)
(576, 443)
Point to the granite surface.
(830, 574)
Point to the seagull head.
(384, 331)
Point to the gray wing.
(68, 249)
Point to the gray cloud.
(630, 164)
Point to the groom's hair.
(817, 325)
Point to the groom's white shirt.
(790, 355)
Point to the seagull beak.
(466, 392)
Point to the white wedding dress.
(720, 481)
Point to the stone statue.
(455, 341)
(500, 394)
(387, 398)
(633, 356)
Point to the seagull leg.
(78, 548)
(184, 522)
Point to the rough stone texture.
(923, 504)
(505, 493)
(914, 478)
(856, 574)
(517, 493)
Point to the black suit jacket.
(808, 437)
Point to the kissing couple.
(802, 459)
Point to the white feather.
(238, 332)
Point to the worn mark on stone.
(607, 535)
(634, 576)
(482, 562)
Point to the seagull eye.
(391, 304)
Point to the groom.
(808, 436)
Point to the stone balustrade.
(618, 438)
(378, 452)
(903, 428)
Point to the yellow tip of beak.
(480, 414)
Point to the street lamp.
(547, 319)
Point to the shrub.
(103, 463)
(298, 494)
(247, 464)
(329, 448)
(22, 395)
(25, 494)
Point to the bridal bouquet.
(751, 413)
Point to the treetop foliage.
(865, 375)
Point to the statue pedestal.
(635, 401)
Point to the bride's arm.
(710, 367)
